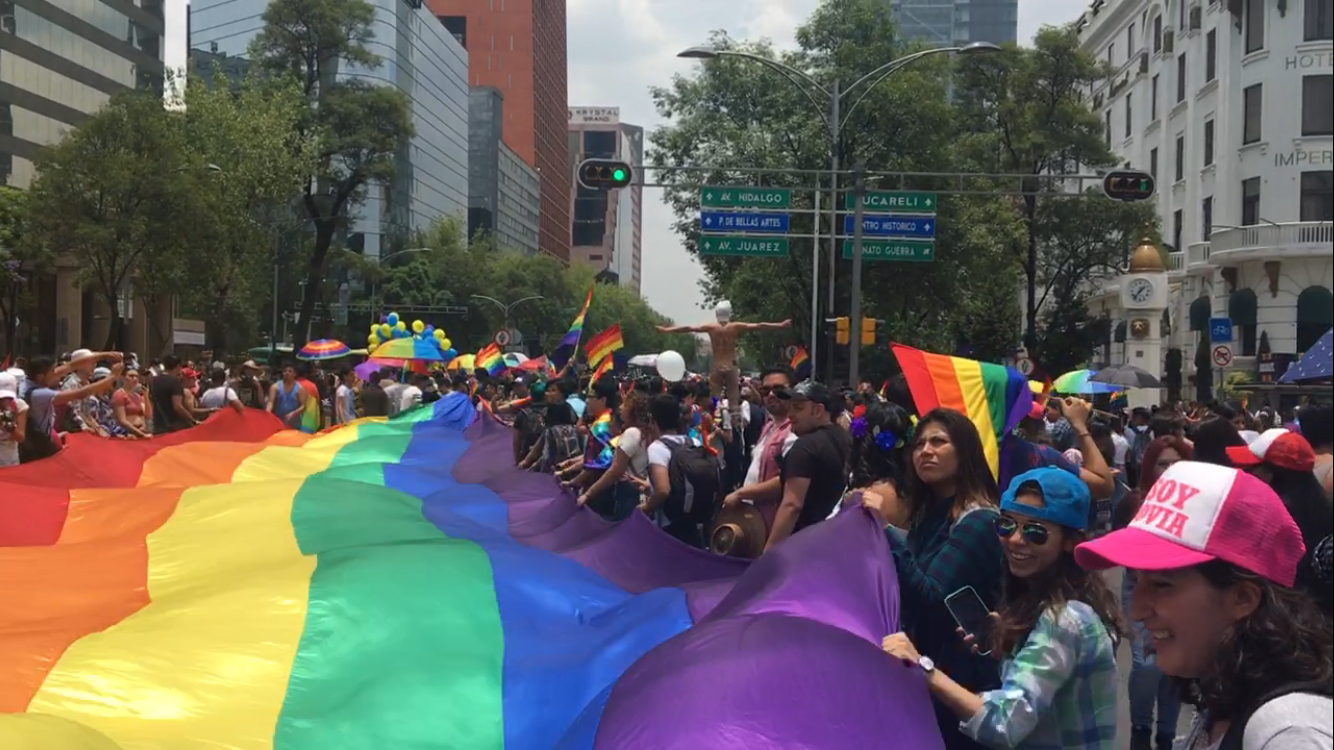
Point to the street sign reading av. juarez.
(902, 250)
(736, 221)
(722, 196)
(884, 225)
(897, 201)
(751, 247)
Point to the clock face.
(1140, 291)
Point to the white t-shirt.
(410, 398)
(757, 454)
(216, 398)
(9, 448)
(1121, 446)
(631, 443)
(1296, 721)
(348, 398)
(660, 453)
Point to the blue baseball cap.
(1065, 497)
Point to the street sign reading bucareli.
(893, 201)
(752, 247)
(724, 196)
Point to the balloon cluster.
(392, 326)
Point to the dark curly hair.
(1285, 640)
(869, 462)
(1023, 600)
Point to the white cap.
(79, 354)
(102, 372)
(9, 386)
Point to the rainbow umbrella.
(464, 362)
(409, 348)
(1077, 381)
(323, 349)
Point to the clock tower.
(1144, 299)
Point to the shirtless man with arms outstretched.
(723, 335)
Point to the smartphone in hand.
(972, 615)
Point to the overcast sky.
(619, 48)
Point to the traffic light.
(868, 331)
(1128, 186)
(604, 174)
(841, 331)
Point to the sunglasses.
(1034, 533)
(778, 391)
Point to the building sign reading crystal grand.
(595, 115)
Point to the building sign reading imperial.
(1300, 158)
(595, 115)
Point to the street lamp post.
(504, 308)
(829, 102)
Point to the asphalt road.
(1123, 669)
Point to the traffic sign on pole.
(790, 351)
(1222, 355)
(1025, 366)
(1220, 330)
(889, 225)
(740, 245)
(902, 250)
(899, 201)
(723, 221)
(726, 196)
(502, 337)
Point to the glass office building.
(939, 23)
(60, 61)
(421, 58)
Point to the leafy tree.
(361, 127)
(121, 195)
(18, 259)
(1025, 112)
(257, 156)
(736, 116)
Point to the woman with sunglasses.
(1216, 556)
(1054, 630)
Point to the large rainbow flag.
(399, 585)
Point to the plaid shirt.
(1058, 691)
(1062, 434)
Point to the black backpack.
(560, 443)
(696, 483)
(1236, 732)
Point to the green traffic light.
(618, 175)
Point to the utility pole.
(835, 164)
(855, 308)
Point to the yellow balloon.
(418, 326)
(446, 344)
(401, 326)
(438, 333)
(373, 339)
(385, 331)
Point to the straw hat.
(739, 531)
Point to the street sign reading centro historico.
(893, 201)
(745, 197)
(751, 247)
(910, 251)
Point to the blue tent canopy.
(1316, 364)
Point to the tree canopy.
(979, 115)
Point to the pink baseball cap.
(1279, 447)
(1196, 513)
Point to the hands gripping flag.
(399, 584)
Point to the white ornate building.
(1230, 104)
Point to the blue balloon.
(451, 352)
(392, 320)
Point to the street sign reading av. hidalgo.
(723, 196)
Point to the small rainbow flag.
(608, 364)
(799, 359)
(602, 345)
(490, 358)
(577, 327)
(994, 397)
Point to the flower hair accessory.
(858, 428)
(886, 440)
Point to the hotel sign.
(595, 115)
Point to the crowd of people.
(1219, 518)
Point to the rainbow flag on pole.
(490, 358)
(602, 345)
(399, 584)
(570, 344)
(994, 397)
(608, 364)
(799, 359)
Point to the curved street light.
(829, 104)
(504, 308)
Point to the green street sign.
(750, 247)
(893, 201)
(910, 251)
(724, 196)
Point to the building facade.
(421, 59)
(504, 193)
(1230, 105)
(607, 226)
(950, 22)
(518, 47)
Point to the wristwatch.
(926, 664)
